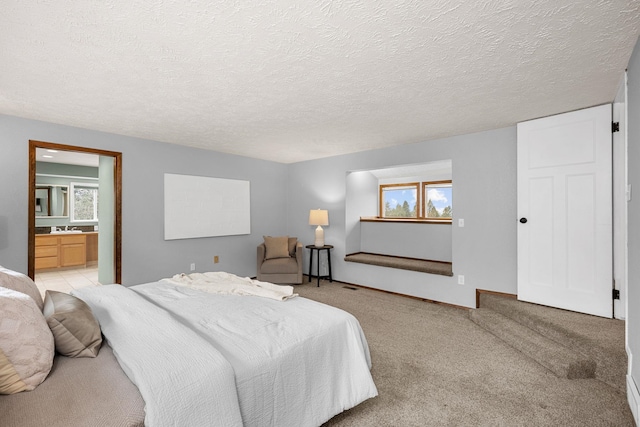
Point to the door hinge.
(615, 127)
(616, 294)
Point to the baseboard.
(485, 291)
(633, 397)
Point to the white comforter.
(295, 362)
(183, 379)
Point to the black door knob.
(523, 220)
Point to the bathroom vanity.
(61, 250)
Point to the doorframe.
(31, 215)
(620, 200)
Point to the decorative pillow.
(276, 247)
(293, 241)
(19, 282)
(26, 343)
(75, 331)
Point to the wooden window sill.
(405, 220)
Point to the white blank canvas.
(199, 206)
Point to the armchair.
(279, 260)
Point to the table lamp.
(319, 217)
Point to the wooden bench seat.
(415, 264)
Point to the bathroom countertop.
(63, 234)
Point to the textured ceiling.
(288, 81)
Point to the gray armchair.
(276, 264)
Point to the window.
(438, 200)
(84, 202)
(405, 200)
(400, 200)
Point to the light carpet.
(434, 367)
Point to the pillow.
(19, 282)
(26, 343)
(276, 247)
(75, 331)
(293, 241)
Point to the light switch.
(460, 222)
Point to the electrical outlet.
(460, 279)
(216, 259)
(193, 266)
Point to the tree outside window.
(434, 202)
(399, 200)
(438, 198)
(84, 202)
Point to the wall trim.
(633, 397)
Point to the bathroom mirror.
(52, 201)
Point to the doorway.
(110, 230)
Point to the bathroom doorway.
(69, 231)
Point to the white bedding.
(183, 380)
(295, 362)
(220, 282)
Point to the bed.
(189, 354)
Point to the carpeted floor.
(590, 342)
(389, 261)
(434, 367)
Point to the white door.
(565, 210)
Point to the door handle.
(523, 220)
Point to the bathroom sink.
(67, 232)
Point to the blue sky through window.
(398, 197)
(441, 197)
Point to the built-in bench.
(404, 263)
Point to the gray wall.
(413, 240)
(484, 177)
(633, 288)
(62, 169)
(361, 199)
(146, 256)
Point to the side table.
(318, 249)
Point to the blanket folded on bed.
(182, 378)
(219, 282)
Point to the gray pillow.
(75, 330)
(19, 282)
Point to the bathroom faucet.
(66, 228)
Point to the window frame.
(424, 200)
(421, 201)
(381, 189)
(72, 197)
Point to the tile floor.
(66, 279)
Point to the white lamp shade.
(318, 217)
